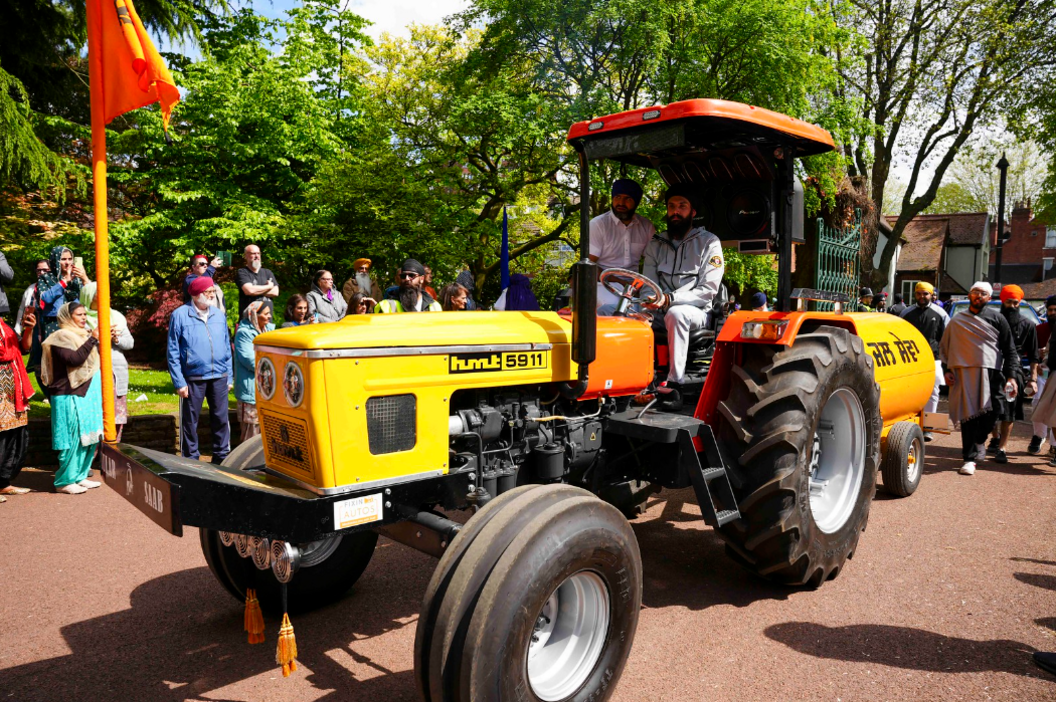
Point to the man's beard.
(677, 227)
(923, 303)
(1051, 319)
(1009, 311)
(625, 215)
(409, 298)
(363, 281)
(976, 309)
(255, 266)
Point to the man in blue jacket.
(199, 355)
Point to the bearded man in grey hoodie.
(687, 263)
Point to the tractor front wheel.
(541, 605)
(800, 431)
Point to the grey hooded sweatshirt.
(689, 271)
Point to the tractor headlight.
(766, 330)
(266, 379)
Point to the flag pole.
(102, 244)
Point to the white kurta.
(618, 245)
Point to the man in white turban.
(979, 355)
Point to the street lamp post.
(1002, 166)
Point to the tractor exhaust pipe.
(585, 291)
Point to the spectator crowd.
(57, 325)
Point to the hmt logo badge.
(475, 362)
(490, 361)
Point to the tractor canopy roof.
(718, 138)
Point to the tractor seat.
(696, 337)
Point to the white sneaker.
(968, 468)
(89, 484)
(72, 489)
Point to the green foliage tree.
(450, 147)
(44, 78)
(253, 129)
(930, 73)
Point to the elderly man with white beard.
(254, 283)
(362, 282)
(199, 358)
(980, 357)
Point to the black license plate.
(151, 494)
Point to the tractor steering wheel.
(636, 289)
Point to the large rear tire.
(800, 431)
(542, 605)
(329, 567)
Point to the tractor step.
(658, 427)
(710, 480)
(703, 468)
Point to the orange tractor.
(526, 420)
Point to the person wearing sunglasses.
(201, 266)
(411, 296)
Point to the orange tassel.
(254, 619)
(287, 649)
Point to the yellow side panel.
(903, 365)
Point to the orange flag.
(134, 74)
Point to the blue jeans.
(215, 393)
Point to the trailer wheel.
(329, 569)
(542, 608)
(248, 454)
(800, 430)
(903, 461)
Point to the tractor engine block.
(514, 437)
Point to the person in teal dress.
(255, 320)
(70, 369)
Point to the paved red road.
(949, 593)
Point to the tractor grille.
(287, 442)
(392, 423)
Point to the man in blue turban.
(619, 237)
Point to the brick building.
(1028, 253)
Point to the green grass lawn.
(156, 385)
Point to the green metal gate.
(836, 259)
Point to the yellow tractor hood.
(424, 329)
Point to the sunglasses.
(409, 276)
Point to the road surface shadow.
(940, 459)
(1047, 622)
(904, 647)
(685, 564)
(1032, 560)
(183, 637)
(1047, 582)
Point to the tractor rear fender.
(902, 361)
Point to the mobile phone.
(225, 256)
(78, 261)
